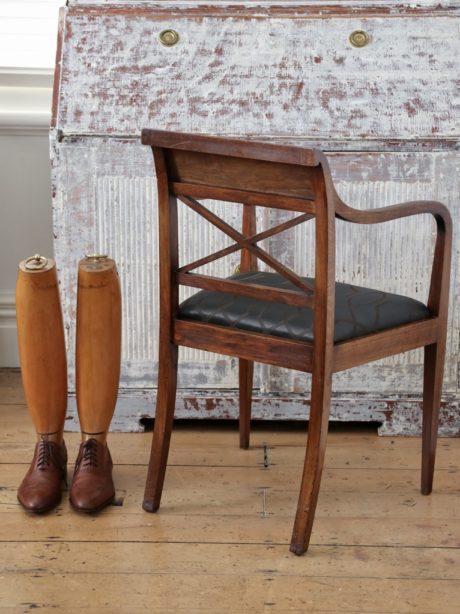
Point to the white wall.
(25, 191)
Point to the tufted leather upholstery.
(358, 311)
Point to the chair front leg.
(164, 416)
(432, 388)
(246, 372)
(314, 460)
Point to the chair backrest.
(193, 167)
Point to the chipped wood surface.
(397, 416)
(136, 407)
(387, 113)
(255, 75)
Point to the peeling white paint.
(263, 76)
(278, 76)
(397, 416)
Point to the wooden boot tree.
(42, 346)
(98, 344)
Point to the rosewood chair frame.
(191, 167)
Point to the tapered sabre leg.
(44, 375)
(246, 373)
(98, 351)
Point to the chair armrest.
(440, 272)
(393, 212)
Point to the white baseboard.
(8, 338)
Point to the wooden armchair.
(313, 325)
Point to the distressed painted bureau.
(376, 85)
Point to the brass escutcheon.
(359, 38)
(36, 262)
(169, 38)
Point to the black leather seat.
(358, 311)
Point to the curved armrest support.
(394, 212)
(440, 274)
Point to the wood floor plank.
(222, 450)
(267, 493)
(344, 480)
(233, 560)
(150, 592)
(65, 525)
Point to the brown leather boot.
(92, 486)
(40, 489)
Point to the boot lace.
(44, 455)
(90, 453)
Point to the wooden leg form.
(42, 346)
(313, 466)
(432, 388)
(98, 345)
(164, 416)
(246, 372)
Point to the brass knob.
(96, 256)
(169, 38)
(36, 262)
(359, 38)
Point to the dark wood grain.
(246, 367)
(257, 291)
(239, 148)
(250, 175)
(234, 195)
(249, 227)
(239, 171)
(168, 351)
(244, 344)
(361, 350)
(323, 348)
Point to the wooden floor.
(220, 541)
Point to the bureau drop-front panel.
(387, 114)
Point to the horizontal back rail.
(257, 150)
(247, 175)
(257, 291)
(232, 195)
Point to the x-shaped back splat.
(292, 297)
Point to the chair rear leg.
(432, 388)
(246, 372)
(164, 416)
(313, 466)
